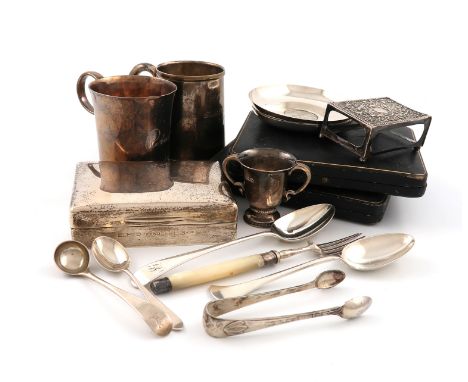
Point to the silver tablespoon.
(365, 254)
(295, 226)
(111, 255)
(72, 257)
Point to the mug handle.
(232, 157)
(93, 169)
(144, 67)
(80, 89)
(298, 167)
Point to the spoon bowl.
(355, 307)
(72, 257)
(376, 252)
(304, 222)
(329, 279)
(110, 254)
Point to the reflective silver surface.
(112, 255)
(292, 102)
(219, 327)
(366, 254)
(355, 307)
(72, 257)
(299, 125)
(304, 222)
(295, 226)
(376, 252)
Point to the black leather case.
(356, 206)
(399, 173)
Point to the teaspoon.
(72, 257)
(111, 255)
(366, 254)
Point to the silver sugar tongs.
(220, 327)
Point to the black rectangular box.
(400, 173)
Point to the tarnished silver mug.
(133, 121)
(197, 131)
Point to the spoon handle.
(244, 288)
(177, 323)
(156, 319)
(156, 269)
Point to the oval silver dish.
(284, 124)
(292, 103)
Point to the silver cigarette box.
(197, 209)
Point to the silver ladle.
(365, 254)
(220, 327)
(72, 257)
(112, 255)
(295, 226)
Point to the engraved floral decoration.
(235, 327)
(376, 112)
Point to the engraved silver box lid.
(374, 116)
(197, 209)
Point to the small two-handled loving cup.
(265, 173)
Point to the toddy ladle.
(111, 255)
(295, 226)
(72, 257)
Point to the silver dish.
(305, 127)
(292, 103)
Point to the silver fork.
(240, 265)
(325, 250)
(330, 248)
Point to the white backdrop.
(55, 327)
